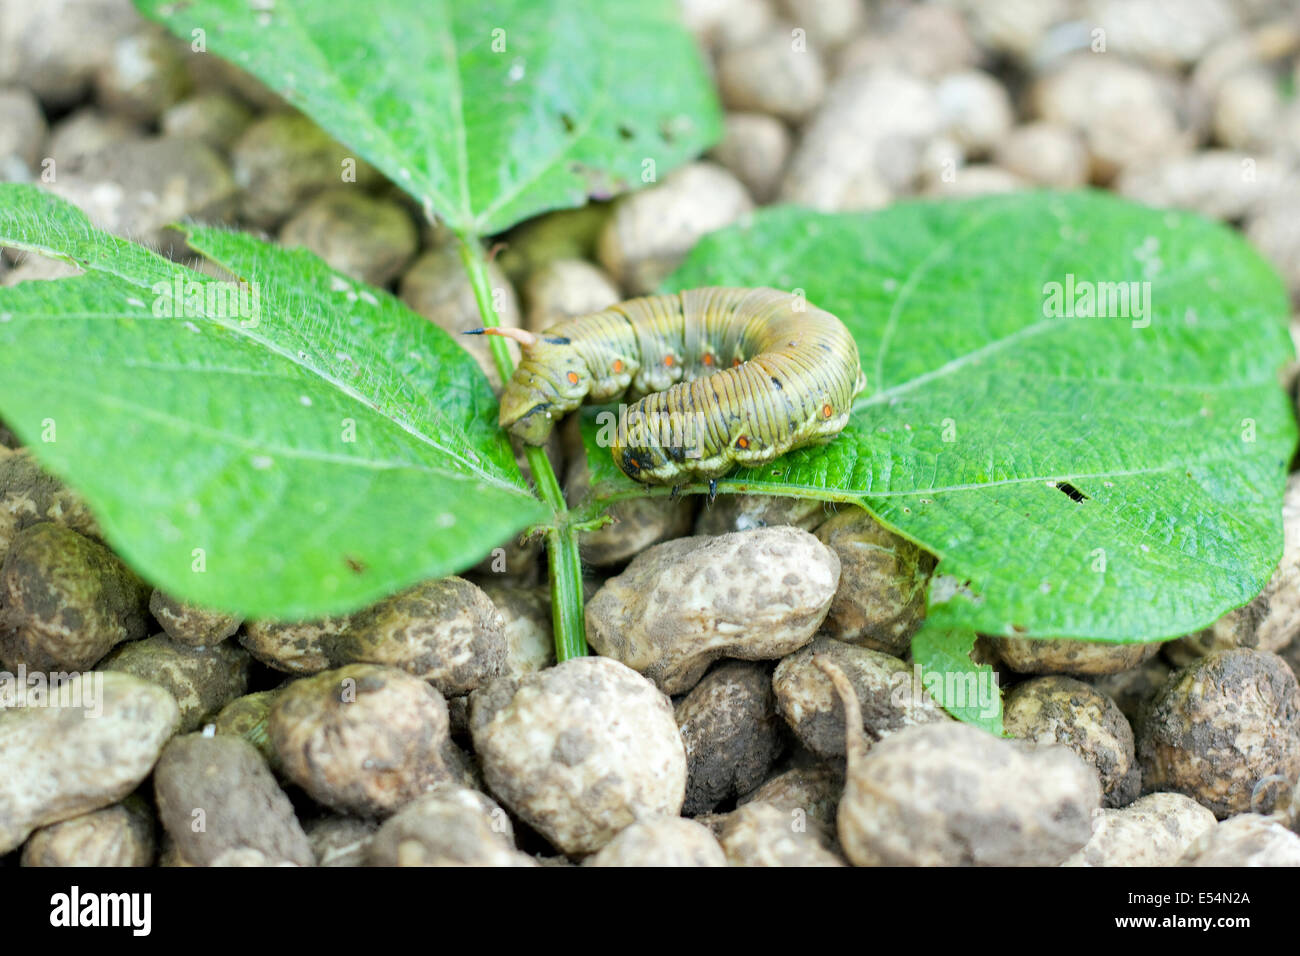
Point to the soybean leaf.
(942, 667)
(1117, 477)
(486, 112)
(293, 454)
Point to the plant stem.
(563, 560)
(566, 594)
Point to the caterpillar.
(721, 378)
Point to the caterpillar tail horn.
(522, 336)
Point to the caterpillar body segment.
(719, 378)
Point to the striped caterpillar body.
(728, 377)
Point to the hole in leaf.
(1071, 492)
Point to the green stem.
(561, 540)
(566, 594)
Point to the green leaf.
(1078, 477)
(943, 668)
(486, 112)
(311, 453)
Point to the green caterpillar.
(729, 377)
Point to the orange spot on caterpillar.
(708, 359)
(742, 442)
(827, 411)
(573, 378)
(668, 360)
(735, 362)
(618, 365)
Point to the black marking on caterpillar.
(720, 377)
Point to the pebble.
(975, 110)
(759, 834)
(863, 143)
(364, 237)
(437, 287)
(339, 840)
(926, 40)
(526, 612)
(30, 495)
(565, 288)
(778, 74)
(1128, 116)
(888, 701)
(746, 512)
(1275, 232)
(246, 717)
(732, 733)
(216, 119)
(947, 794)
(55, 47)
(202, 679)
(719, 24)
(1064, 710)
(363, 739)
(1246, 108)
(580, 750)
(536, 243)
(216, 795)
(754, 148)
(445, 631)
(452, 826)
(1155, 830)
(1245, 840)
(1215, 183)
(650, 231)
(1220, 727)
(293, 647)
(190, 624)
(282, 160)
(827, 23)
(1018, 29)
(1162, 33)
(662, 841)
(143, 75)
(977, 179)
(22, 134)
(637, 523)
(1047, 154)
(813, 791)
(679, 605)
(138, 188)
(86, 752)
(1028, 655)
(880, 602)
(86, 131)
(1132, 690)
(65, 601)
(119, 835)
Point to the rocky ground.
(752, 704)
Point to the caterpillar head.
(645, 463)
(550, 381)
